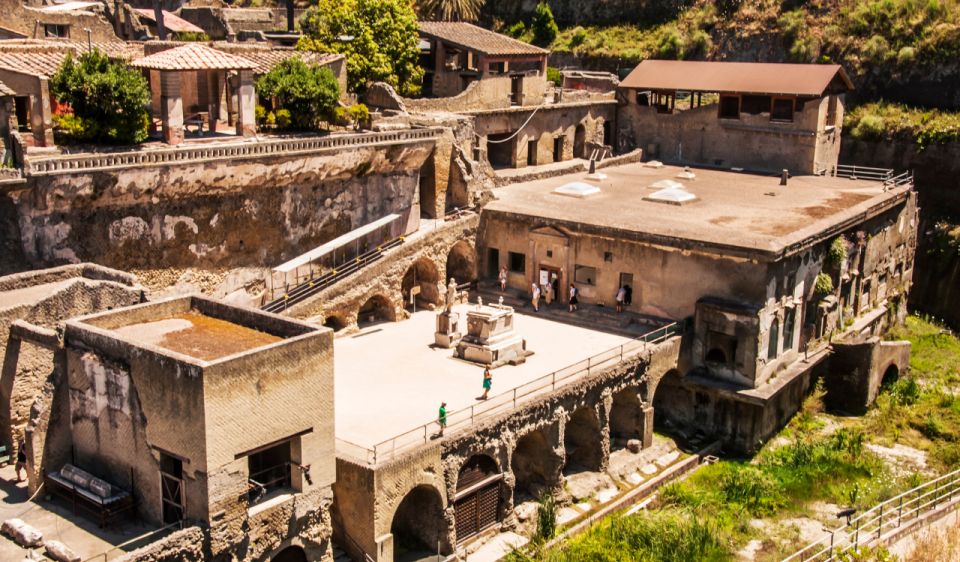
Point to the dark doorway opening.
(477, 501)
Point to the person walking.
(627, 295)
(487, 382)
(502, 279)
(535, 297)
(548, 293)
(574, 301)
(621, 297)
(21, 458)
(442, 418)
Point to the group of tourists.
(487, 385)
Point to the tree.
(109, 100)
(451, 10)
(380, 39)
(309, 92)
(545, 30)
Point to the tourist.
(621, 297)
(502, 278)
(442, 418)
(487, 382)
(628, 295)
(535, 297)
(548, 293)
(21, 458)
(573, 297)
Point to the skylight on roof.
(667, 184)
(577, 189)
(672, 196)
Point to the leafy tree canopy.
(380, 39)
(309, 92)
(544, 27)
(109, 100)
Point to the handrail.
(871, 525)
(261, 147)
(497, 404)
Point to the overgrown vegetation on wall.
(889, 121)
(818, 464)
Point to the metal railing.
(887, 516)
(240, 149)
(505, 402)
(855, 172)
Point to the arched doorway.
(583, 441)
(418, 527)
(376, 309)
(536, 467)
(890, 376)
(290, 554)
(626, 417)
(580, 142)
(670, 403)
(462, 262)
(424, 276)
(334, 322)
(477, 501)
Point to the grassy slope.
(817, 458)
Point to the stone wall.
(29, 21)
(227, 212)
(187, 545)
(857, 370)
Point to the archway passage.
(671, 402)
(376, 309)
(890, 376)
(580, 142)
(626, 417)
(462, 262)
(477, 502)
(583, 441)
(536, 467)
(336, 323)
(291, 554)
(419, 528)
(421, 280)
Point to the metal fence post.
(856, 536)
(900, 511)
(880, 525)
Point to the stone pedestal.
(448, 330)
(171, 107)
(491, 339)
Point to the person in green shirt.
(442, 418)
(487, 383)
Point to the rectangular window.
(585, 275)
(643, 98)
(729, 107)
(518, 262)
(831, 120)
(773, 346)
(608, 257)
(497, 67)
(269, 470)
(789, 318)
(56, 30)
(782, 110)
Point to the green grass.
(881, 120)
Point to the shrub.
(698, 45)
(553, 75)
(308, 92)
(109, 100)
(670, 45)
(517, 30)
(546, 518)
(754, 489)
(283, 118)
(544, 28)
(877, 49)
(870, 127)
(260, 114)
(906, 56)
(837, 253)
(905, 392)
(360, 114)
(579, 36)
(823, 285)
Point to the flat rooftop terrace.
(197, 335)
(733, 210)
(390, 380)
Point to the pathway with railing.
(459, 420)
(885, 176)
(883, 519)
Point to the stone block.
(634, 445)
(21, 533)
(60, 552)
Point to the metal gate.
(477, 501)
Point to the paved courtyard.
(390, 380)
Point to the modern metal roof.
(738, 77)
(340, 241)
(468, 36)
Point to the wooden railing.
(238, 150)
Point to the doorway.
(557, 149)
(171, 488)
(550, 277)
(516, 90)
(493, 262)
(532, 152)
(626, 281)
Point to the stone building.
(746, 115)
(191, 407)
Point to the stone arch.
(335, 322)
(536, 466)
(583, 441)
(890, 375)
(422, 273)
(668, 398)
(479, 498)
(626, 417)
(462, 262)
(290, 554)
(377, 308)
(418, 524)
(580, 141)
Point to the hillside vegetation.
(818, 464)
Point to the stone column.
(171, 107)
(646, 433)
(246, 104)
(42, 115)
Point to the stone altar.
(448, 329)
(491, 339)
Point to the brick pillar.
(171, 107)
(647, 421)
(246, 104)
(42, 115)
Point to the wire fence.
(937, 494)
(506, 402)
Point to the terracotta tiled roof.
(266, 58)
(42, 64)
(475, 38)
(6, 91)
(193, 56)
(171, 22)
(737, 77)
